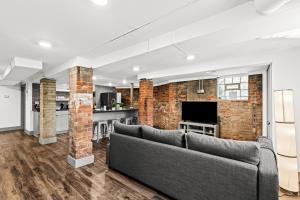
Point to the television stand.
(201, 128)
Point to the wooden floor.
(32, 171)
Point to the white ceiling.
(80, 28)
(210, 29)
(170, 58)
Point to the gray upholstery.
(171, 137)
(181, 173)
(267, 171)
(238, 150)
(185, 174)
(130, 130)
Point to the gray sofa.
(194, 167)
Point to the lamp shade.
(288, 173)
(284, 106)
(285, 129)
(288, 108)
(286, 143)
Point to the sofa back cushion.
(171, 137)
(130, 130)
(237, 150)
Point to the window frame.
(240, 89)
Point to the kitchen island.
(62, 118)
(114, 114)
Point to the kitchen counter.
(62, 121)
(100, 115)
(107, 111)
(62, 118)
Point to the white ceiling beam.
(210, 25)
(269, 6)
(216, 65)
(238, 19)
(77, 61)
(227, 25)
(20, 69)
(197, 29)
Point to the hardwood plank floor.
(31, 171)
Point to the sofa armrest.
(268, 186)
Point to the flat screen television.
(203, 112)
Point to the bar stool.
(129, 121)
(95, 126)
(103, 127)
(112, 127)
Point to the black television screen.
(204, 112)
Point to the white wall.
(10, 106)
(286, 75)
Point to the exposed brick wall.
(242, 120)
(161, 106)
(47, 108)
(238, 119)
(146, 102)
(81, 112)
(126, 96)
(177, 94)
(210, 87)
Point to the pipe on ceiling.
(266, 7)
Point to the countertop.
(100, 111)
(109, 111)
(56, 110)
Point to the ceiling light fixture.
(110, 84)
(45, 44)
(94, 77)
(136, 68)
(124, 81)
(100, 2)
(190, 57)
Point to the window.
(233, 88)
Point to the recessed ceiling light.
(136, 68)
(124, 81)
(110, 84)
(190, 57)
(100, 2)
(94, 77)
(45, 44)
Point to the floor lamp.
(285, 129)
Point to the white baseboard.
(81, 162)
(15, 128)
(28, 132)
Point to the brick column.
(47, 111)
(146, 102)
(81, 116)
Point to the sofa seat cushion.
(130, 130)
(170, 137)
(237, 150)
